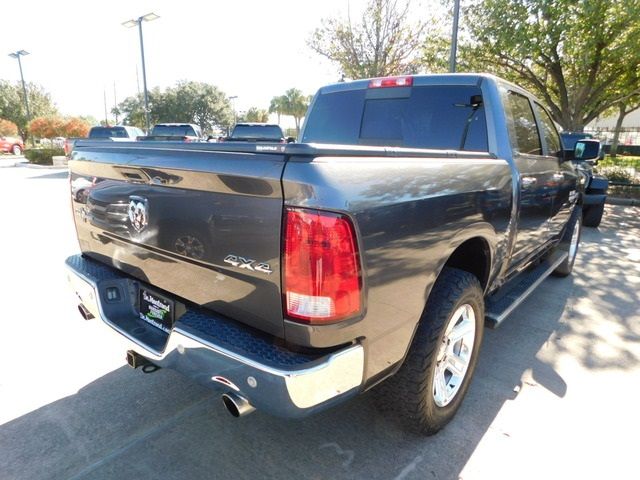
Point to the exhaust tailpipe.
(236, 405)
(86, 314)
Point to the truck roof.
(428, 79)
(257, 124)
(176, 124)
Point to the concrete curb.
(41, 167)
(623, 201)
(10, 161)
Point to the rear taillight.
(405, 81)
(322, 279)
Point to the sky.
(251, 49)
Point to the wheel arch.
(473, 255)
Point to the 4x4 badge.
(248, 264)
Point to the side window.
(550, 132)
(523, 125)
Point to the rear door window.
(550, 132)
(438, 117)
(522, 124)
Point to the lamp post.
(18, 54)
(138, 22)
(454, 37)
(233, 102)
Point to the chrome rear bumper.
(218, 352)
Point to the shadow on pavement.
(127, 424)
(51, 176)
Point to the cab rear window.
(438, 117)
(108, 132)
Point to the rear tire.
(570, 243)
(592, 215)
(16, 150)
(426, 392)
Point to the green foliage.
(278, 106)
(620, 161)
(293, 103)
(624, 191)
(43, 156)
(12, 105)
(384, 41)
(617, 174)
(255, 115)
(189, 102)
(581, 58)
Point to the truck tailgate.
(201, 222)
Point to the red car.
(11, 145)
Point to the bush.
(617, 174)
(43, 156)
(620, 161)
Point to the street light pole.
(144, 78)
(233, 102)
(132, 23)
(454, 37)
(18, 54)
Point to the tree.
(581, 58)
(255, 115)
(200, 103)
(295, 104)
(46, 127)
(75, 127)
(277, 106)
(132, 109)
(189, 102)
(13, 109)
(8, 128)
(54, 126)
(383, 43)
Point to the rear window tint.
(174, 130)
(257, 131)
(439, 117)
(108, 132)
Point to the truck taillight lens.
(322, 279)
(386, 82)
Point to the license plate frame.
(156, 309)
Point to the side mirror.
(587, 150)
(291, 140)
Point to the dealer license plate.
(156, 310)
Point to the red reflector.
(322, 280)
(385, 82)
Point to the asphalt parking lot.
(556, 393)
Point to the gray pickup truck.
(291, 277)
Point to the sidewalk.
(10, 160)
